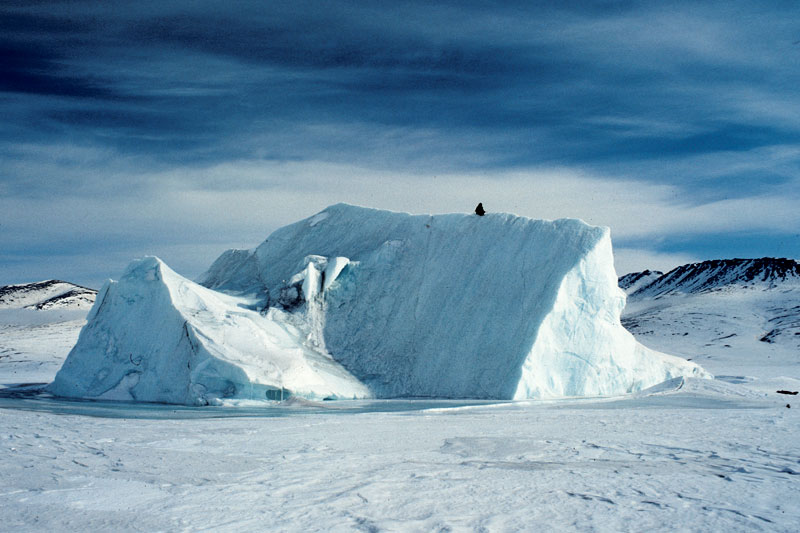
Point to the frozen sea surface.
(686, 457)
(30, 397)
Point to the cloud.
(576, 83)
(633, 209)
(156, 125)
(627, 260)
(238, 203)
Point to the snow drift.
(378, 304)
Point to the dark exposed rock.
(48, 294)
(766, 272)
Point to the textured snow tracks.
(632, 465)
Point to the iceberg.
(158, 337)
(356, 302)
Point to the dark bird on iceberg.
(479, 210)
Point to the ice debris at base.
(357, 302)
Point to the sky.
(184, 128)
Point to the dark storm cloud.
(315, 45)
(35, 70)
(120, 100)
(191, 81)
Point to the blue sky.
(181, 129)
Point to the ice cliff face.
(386, 305)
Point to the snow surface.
(39, 323)
(739, 333)
(687, 455)
(33, 344)
(694, 459)
(716, 311)
(357, 302)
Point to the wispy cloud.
(237, 204)
(163, 124)
(628, 260)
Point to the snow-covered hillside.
(377, 304)
(631, 283)
(735, 317)
(764, 274)
(39, 323)
(49, 294)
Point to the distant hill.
(634, 281)
(725, 314)
(766, 273)
(45, 295)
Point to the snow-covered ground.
(34, 344)
(723, 331)
(739, 319)
(46, 295)
(39, 324)
(691, 455)
(699, 459)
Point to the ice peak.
(148, 267)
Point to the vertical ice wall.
(464, 306)
(582, 349)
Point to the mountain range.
(765, 273)
(738, 316)
(48, 294)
